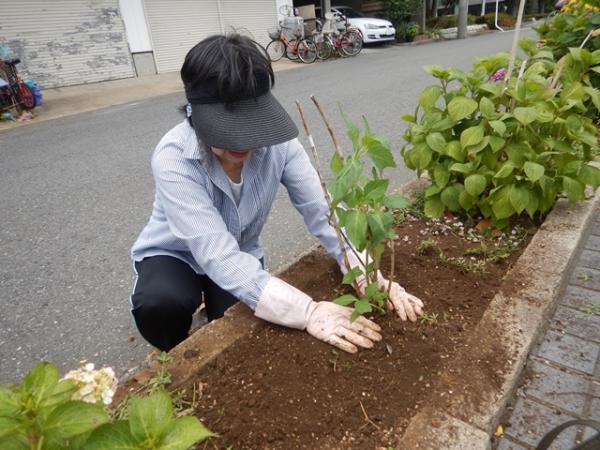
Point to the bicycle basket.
(274, 33)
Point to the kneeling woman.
(216, 175)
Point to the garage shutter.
(177, 25)
(66, 42)
(255, 16)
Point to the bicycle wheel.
(276, 49)
(307, 51)
(324, 48)
(291, 50)
(351, 43)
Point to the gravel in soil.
(282, 389)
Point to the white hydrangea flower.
(93, 385)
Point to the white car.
(371, 28)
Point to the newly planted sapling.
(361, 211)
(364, 211)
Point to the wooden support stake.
(340, 153)
(336, 143)
(334, 221)
(392, 246)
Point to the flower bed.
(264, 386)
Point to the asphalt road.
(76, 191)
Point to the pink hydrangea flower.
(539, 44)
(499, 75)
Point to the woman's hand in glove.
(283, 304)
(406, 305)
(331, 323)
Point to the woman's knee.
(164, 303)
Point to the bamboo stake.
(392, 246)
(561, 62)
(334, 138)
(521, 72)
(340, 153)
(513, 52)
(333, 217)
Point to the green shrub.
(442, 22)
(448, 21)
(412, 30)
(504, 20)
(568, 30)
(399, 11)
(45, 413)
(499, 150)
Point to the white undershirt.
(236, 189)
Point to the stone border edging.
(512, 323)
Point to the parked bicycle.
(329, 40)
(14, 92)
(295, 48)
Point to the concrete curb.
(511, 325)
(464, 419)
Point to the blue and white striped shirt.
(195, 217)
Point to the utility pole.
(463, 11)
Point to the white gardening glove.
(283, 304)
(407, 306)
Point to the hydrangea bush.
(501, 146)
(93, 385)
(46, 413)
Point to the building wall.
(66, 42)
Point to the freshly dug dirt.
(282, 389)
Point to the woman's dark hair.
(235, 62)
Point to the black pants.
(166, 295)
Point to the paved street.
(76, 192)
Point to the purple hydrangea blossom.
(499, 75)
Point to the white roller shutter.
(255, 16)
(66, 42)
(177, 25)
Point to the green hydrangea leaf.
(461, 107)
(475, 184)
(471, 136)
(534, 171)
(429, 97)
(525, 115)
(436, 142)
(434, 207)
(487, 107)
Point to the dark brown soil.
(282, 389)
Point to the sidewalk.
(562, 376)
(71, 100)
